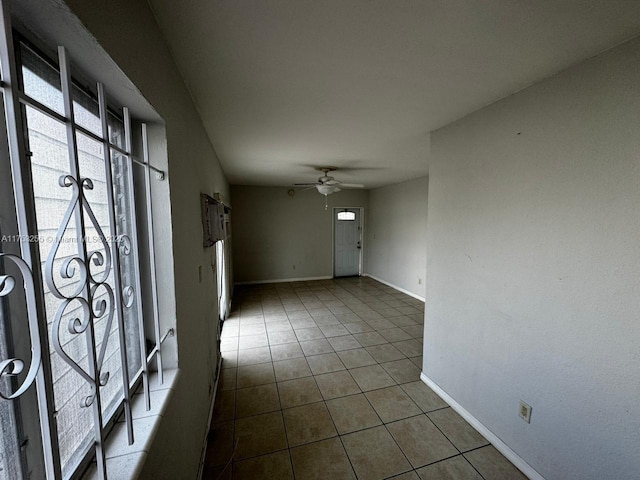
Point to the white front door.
(347, 246)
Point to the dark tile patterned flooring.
(321, 380)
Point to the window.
(223, 252)
(78, 306)
(346, 215)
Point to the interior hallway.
(320, 380)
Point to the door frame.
(333, 239)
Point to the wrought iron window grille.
(81, 287)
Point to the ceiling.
(286, 85)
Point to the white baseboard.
(329, 277)
(400, 289)
(502, 447)
(285, 280)
(213, 404)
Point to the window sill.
(125, 461)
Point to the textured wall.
(396, 235)
(533, 268)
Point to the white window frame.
(39, 375)
(346, 216)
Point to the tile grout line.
(313, 375)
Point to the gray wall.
(273, 232)
(396, 234)
(533, 268)
(127, 30)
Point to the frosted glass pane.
(40, 80)
(123, 198)
(116, 130)
(86, 111)
(346, 216)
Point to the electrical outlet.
(524, 412)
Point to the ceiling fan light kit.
(327, 189)
(326, 184)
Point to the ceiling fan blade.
(307, 188)
(305, 184)
(351, 185)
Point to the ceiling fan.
(326, 184)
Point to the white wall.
(273, 232)
(127, 30)
(396, 234)
(533, 270)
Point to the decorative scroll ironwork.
(92, 307)
(88, 285)
(128, 291)
(124, 245)
(15, 366)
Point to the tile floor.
(320, 380)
